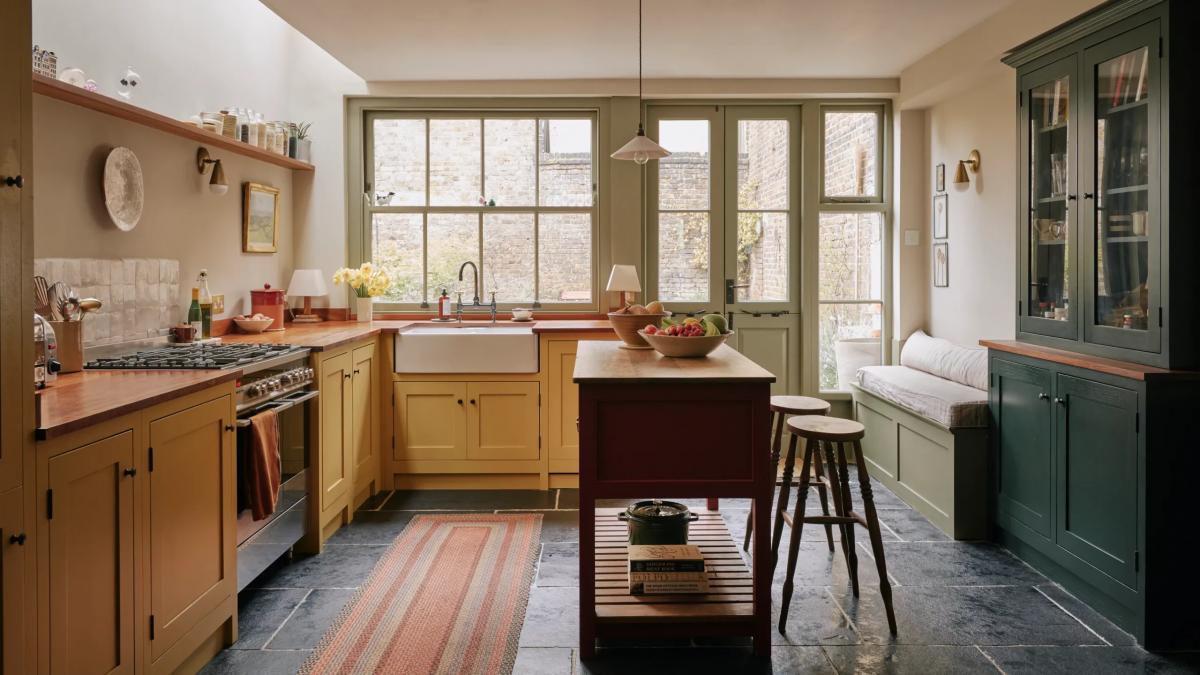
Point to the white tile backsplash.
(140, 296)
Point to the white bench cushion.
(948, 403)
(964, 365)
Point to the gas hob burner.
(212, 356)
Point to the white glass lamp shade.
(307, 283)
(623, 278)
(641, 149)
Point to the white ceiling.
(384, 40)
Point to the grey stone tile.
(817, 566)
(543, 661)
(559, 526)
(954, 564)
(551, 618)
(242, 661)
(335, 567)
(558, 565)
(261, 612)
(909, 525)
(1107, 660)
(568, 498)
(372, 527)
(908, 660)
(703, 661)
(469, 500)
(311, 620)
(735, 520)
(884, 498)
(1090, 617)
(1007, 615)
(814, 618)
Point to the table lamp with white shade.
(307, 284)
(624, 278)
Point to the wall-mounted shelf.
(117, 108)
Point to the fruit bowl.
(626, 327)
(684, 347)
(253, 325)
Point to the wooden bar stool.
(781, 407)
(834, 434)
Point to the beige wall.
(182, 219)
(979, 301)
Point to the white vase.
(852, 354)
(363, 308)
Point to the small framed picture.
(941, 264)
(939, 178)
(941, 217)
(260, 218)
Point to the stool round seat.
(799, 405)
(822, 428)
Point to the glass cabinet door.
(1048, 240)
(1122, 190)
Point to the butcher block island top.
(606, 361)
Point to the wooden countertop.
(332, 334)
(606, 361)
(80, 400)
(1133, 371)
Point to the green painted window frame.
(361, 111)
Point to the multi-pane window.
(685, 217)
(763, 216)
(512, 193)
(851, 226)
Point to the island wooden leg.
(587, 570)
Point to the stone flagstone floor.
(962, 607)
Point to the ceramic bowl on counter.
(684, 347)
(253, 325)
(628, 327)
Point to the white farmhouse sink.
(467, 349)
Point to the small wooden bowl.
(627, 327)
(253, 325)
(679, 347)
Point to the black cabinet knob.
(18, 539)
(1043, 396)
(460, 401)
(1060, 401)
(472, 401)
(1071, 198)
(130, 472)
(14, 181)
(1088, 195)
(229, 427)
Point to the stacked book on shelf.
(664, 569)
(1055, 111)
(1128, 78)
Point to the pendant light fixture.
(640, 148)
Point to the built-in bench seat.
(927, 425)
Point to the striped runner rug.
(449, 596)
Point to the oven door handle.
(280, 406)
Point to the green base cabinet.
(1092, 482)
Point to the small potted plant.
(302, 144)
(368, 282)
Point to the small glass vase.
(363, 307)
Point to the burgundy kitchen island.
(652, 426)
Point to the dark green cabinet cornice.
(1081, 26)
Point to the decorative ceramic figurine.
(128, 81)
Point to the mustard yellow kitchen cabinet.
(191, 515)
(365, 427)
(336, 434)
(88, 558)
(15, 629)
(562, 407)
(502, 421)
(430, 420)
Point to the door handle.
(730, 293)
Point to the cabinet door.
(365, 428)
(1048, 279)
(191, 519)
(1097, 448)
(15, 628)
(430, 420)
(1120, 163)
(562, 407)
(337, 401)
(502, 420)
(1020, 404)
(89, 529)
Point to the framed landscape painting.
(260, 218)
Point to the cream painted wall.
(910, 265)
(979, 302)
(192, 57)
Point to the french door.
(723, 225)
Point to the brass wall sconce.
(216, 184)
(972, 160)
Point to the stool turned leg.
(789, 465)
(776, 446)
(868, 498)
(797, 531)
(819, 467)
(835, 491)
(839, 449)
